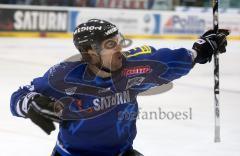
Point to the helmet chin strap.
(99, 72)
(101, 67)
(98, 68)
(106, 69)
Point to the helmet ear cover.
(84, 48)
(86, 57)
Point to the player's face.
(111, 53)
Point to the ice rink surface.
(21, 60)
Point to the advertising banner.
(183, 24)
(53, 21)
(128, 21)
(33, 20)
(187, 23)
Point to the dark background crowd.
(129, 4)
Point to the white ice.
(21, 60)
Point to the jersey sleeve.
(38, 85)
(43, 85)
(178, 62)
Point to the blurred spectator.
(192, 2)
(55, 2)
(36, 2)
(235, 3)
(206, 3)
(102, 3)
(80, 3)
(91, 3)
(163, 5)
(128, 4)
(150, 4)
(5, 2)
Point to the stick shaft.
(216, 77)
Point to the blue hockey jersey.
(94, 122)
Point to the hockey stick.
(216, 76)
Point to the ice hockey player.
(90, 97)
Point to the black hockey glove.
(209, 43)
(132, 152)
(42, 110)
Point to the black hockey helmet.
(90, 35)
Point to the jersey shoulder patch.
(138, 51)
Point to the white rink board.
(23, 59)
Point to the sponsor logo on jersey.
(104, 90)
(134, 82)
(70, 91)
(111, 100)
(138, 51)
(137, 70)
